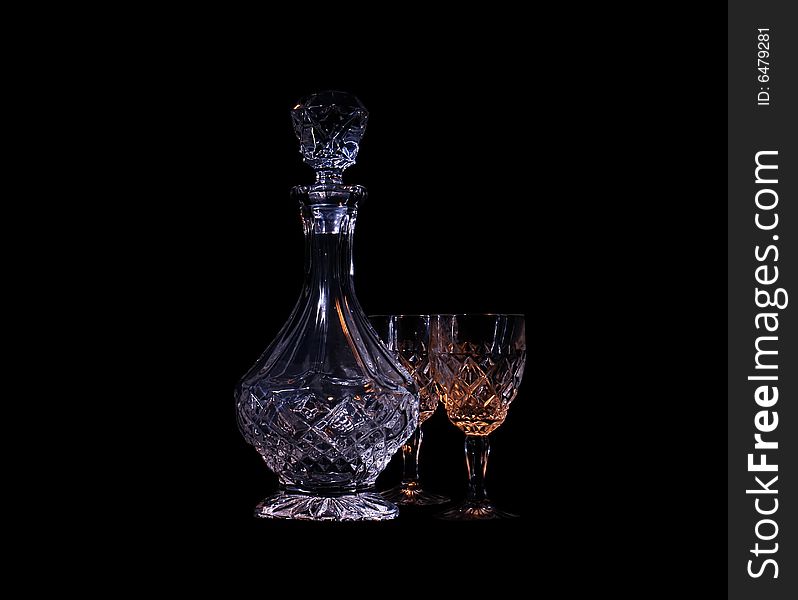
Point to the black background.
(571, 169)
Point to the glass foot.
(365, 506)
(411, 494)
(474, 511)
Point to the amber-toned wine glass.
(408, 337)
(478, 361)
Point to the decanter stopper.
(329, 126)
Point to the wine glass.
(408, 337)
(478, 361)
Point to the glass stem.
(477, 450)
(410, 451)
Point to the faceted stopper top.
(329, 126)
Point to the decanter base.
(411, 494)
(365, 506)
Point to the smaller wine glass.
(478, 361)
(407, 336)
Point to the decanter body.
(327, 405)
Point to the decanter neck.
(328, 247)
(329, 211)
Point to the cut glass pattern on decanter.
(327, 405)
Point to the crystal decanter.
(327, 405)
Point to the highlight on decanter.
(327, 404)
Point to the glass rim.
(448, 315)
